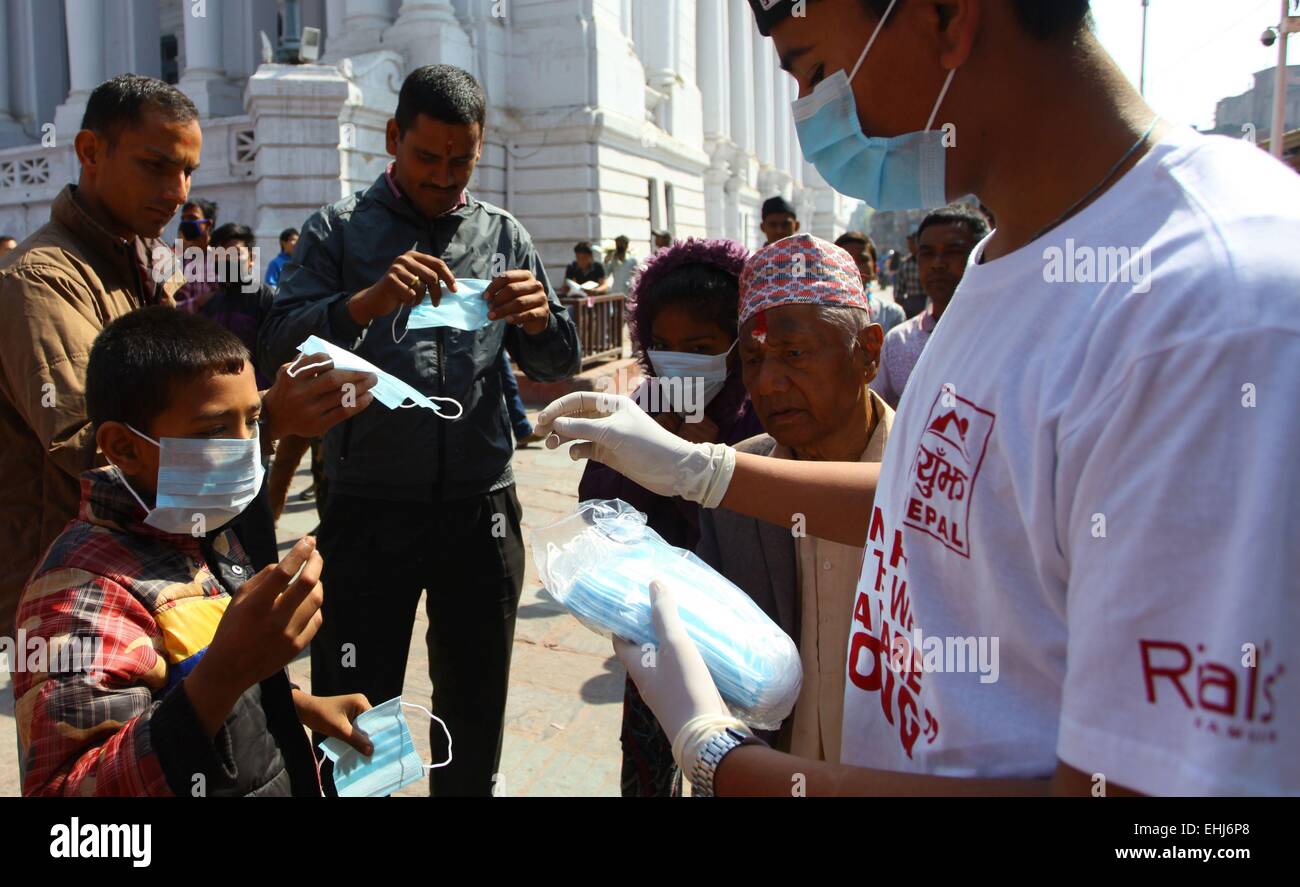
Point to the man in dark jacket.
(418, 502)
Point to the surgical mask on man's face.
(203, 483)
(391, 391)
(394, 763)
(709, 371)
(904, 172)
(465, 309)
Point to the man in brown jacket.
(99, 257)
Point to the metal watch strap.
(711, 755)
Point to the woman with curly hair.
(682, 316)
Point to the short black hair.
(124, 100)
(582, 246)
(777, 204)
(207, 207)
(287, 233)
(706, 292)
(7, 237)
(137, 360)
(957, 214)
(869, 245)
(1043, 19)
(233, 232)
(444, 92)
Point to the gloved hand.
(673, 679)
(616, 431)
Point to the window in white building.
(654, 204)
(171, 69)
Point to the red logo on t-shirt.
(880, 650)
(1231, 699)
(943, 472)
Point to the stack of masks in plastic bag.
(599, 564)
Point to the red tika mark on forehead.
(759, 332)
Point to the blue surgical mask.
(203, 484)
(465, 309)
(599, 565)
(394, 764)
(904, 172)
(391, 391)
(710, 369)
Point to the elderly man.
(808, 349)
(946, 238)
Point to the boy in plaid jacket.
(186, 692)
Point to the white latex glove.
(673, 679)
(616, 431)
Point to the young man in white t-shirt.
(1082, 546)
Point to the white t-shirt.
(1096, 486)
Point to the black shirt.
(595, 271)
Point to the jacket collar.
(106, 502)
(128, 257)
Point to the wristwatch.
(711, 755)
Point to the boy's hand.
(307, 404)
(333, 716)
(271, 619)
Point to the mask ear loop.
(460, 410)
(445, 731)
(122, 477)
(874, 34)
(320, 761)
(943, 92)
(292, 374)
(397, 314)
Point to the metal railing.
(599, 320)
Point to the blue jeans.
(514, 404)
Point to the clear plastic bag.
(599, 563)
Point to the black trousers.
(469, 557)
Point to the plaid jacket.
(147, 604)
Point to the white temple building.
(605, 117)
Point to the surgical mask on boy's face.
(203, 484)
(394, 763)
(391, 391)
(905, 172)
(465, 309)
(709, 371)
